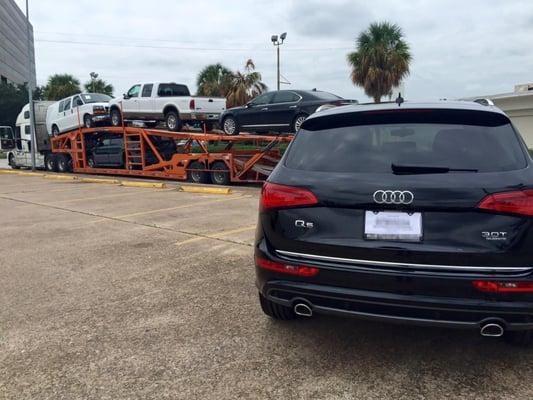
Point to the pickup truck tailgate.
(209, 104)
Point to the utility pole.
(33, 141)
(278, 42)
(93, 76)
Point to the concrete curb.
(205, 189)
(151, 185)
(99, 180)
(61, 177)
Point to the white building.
(518, 105)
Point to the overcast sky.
(460, 48)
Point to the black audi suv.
(419, 213)
(278, 111)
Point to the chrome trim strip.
(255, 126)
(459, 268)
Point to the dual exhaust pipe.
(490, 328)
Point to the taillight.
(298, 270)
(276, 196)
(192, 104)
(519, 202)
(503, 287)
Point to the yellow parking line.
(216, 235)
(201, 203)
(106, 196)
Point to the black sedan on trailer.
(277, 111)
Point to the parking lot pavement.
(110, 292)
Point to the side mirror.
(125, 96)
(79, 102)
(249, 104)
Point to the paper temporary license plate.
(393, 225)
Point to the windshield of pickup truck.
(172, 90)
(95, 98)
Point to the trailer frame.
(242, 165)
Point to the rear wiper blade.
(426, 169)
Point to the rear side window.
(373, 148)
(147, 90)
(285, 97)
(172, 90)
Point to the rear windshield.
(172, 90)
(326, 96)
(374, 148)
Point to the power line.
(109, 44)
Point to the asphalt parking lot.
(111, 292)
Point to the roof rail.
(484, 102)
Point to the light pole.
(93, 76)
(30, 90)
(277, 42)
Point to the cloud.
(460, 48)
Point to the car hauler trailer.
(170, 155)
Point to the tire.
(87, 121)
(50, 163)
(195, 173)
(519, 338)
(230, 126)
(173, 122)
(64, 163)
(274, 310)
(220, 173)
(115, 117)
(298, 121)
(90, 162)
(55, 130)
(12, 163)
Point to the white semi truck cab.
(19, 147)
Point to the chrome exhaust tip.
(492, 329)
(303, 310)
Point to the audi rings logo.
(393, 197)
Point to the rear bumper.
(199, 116)
(421, 298)
(396, 308)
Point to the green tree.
(99, 86)
(245, 86)
(60, 86)
(12, 99)
(381, 60)
(214, 80)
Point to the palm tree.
(381, 60)
(98, 85)
(60, 86)
(214, 80)
(245, 86)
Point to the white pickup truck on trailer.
(19, 147)
(169, 102)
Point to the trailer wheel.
(87, 121)
(12, 163)
(173, 122)
(196, 172)
(220, 173)
(116, 118)
(64, 163)
(50, 163)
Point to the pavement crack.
(154, 226)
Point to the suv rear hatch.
(405, 188)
